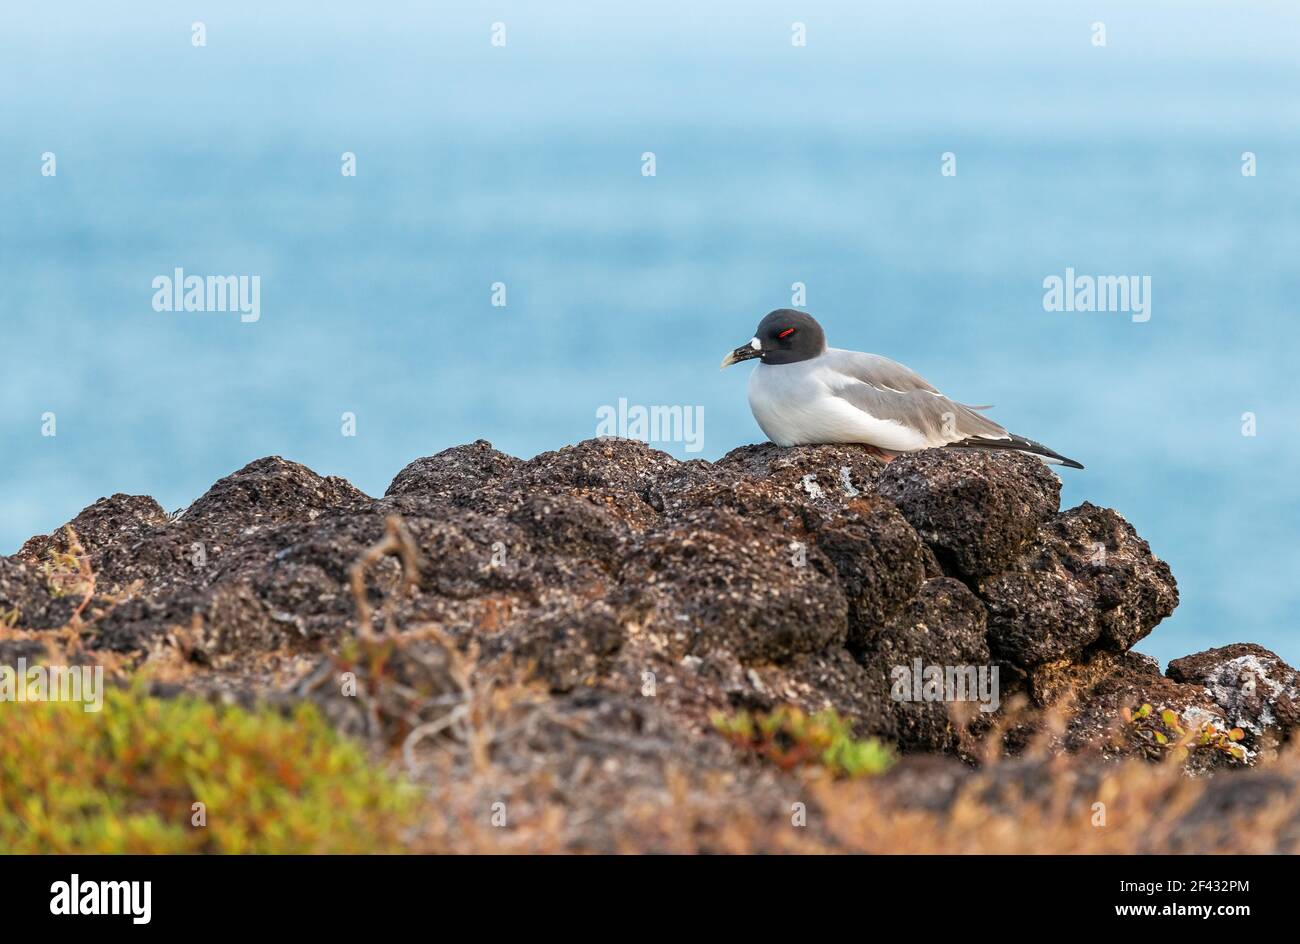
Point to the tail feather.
(1017, 444)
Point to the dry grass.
(1132, 808)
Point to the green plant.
(126, 780)
(1166, 731)
(789, 737)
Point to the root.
(396, 542)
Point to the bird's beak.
(753, 349)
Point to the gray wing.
(887, 390)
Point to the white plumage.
(799, 404)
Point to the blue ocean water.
(775, 164)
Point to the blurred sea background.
(775, 164)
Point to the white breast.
(794, 406)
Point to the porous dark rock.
(471, 556)
(611, 465)
(619, 476)
(116, 534)
(1036, 618)
(1097, 722)
(1053, 683)
(977, 510)
(829, 678)
(222, 562)
(763, 505)
(108, 523)
(270, 491)
(734, 586)
(561, 525)
(140, 621)
(773, 576)
(879, 560)
(33, 651)
(1257, 691)
(24, 597)
(1086, 581)
(833, 474)
(570, 648)
(454, 474)
(943, 623)
(941, 628)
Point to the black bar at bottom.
(333, 893)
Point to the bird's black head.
(784, 336)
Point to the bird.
(803, 392)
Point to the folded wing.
(887, 390)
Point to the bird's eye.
(786, 333)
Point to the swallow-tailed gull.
(803, 392)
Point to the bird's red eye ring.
(786, 333)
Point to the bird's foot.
(885, 457)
